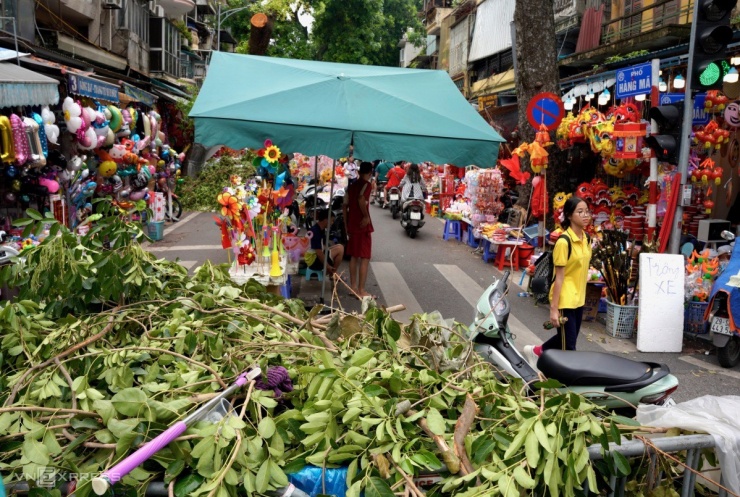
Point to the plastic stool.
(285, 289)
(472, 240)
(487, 254)
(501, 260)
(310, 272)
(452, 230)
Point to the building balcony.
(176, 8)
(430, 5)
(434, 20)
(664, 24)
(78, 13)
(205, 7)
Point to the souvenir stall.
(58, 157)
(28, 176)
(253, 225)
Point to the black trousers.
(567, 334)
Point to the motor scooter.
(723, 311)
(412, 217)
(394, 201)
(609, 381)
(379, 196)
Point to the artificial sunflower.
(272, 154)
(230, 205)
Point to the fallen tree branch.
(448, 456)
(462, 427)
(71, 350)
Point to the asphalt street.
(427, 274)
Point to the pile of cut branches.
(87, 378)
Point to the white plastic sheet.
(717, 416)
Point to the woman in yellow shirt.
(568, 292)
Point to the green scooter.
(609, 381)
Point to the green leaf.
(550, 383)
(129, 401)
(377, 487)
(361, 356)
(277, 475)
(482, 447)
(35, 452)
(373, 390)
(539, 430)
(121, 428)
(34, 214)
(187, 486)
(532, 450)
(263, 477)
(392, 328)
(623, 420)
(623, 465)
(615, 434)
(266, 428)
(436, 422)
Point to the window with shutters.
(632, 22)
(666, 14)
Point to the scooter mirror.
(727, 235)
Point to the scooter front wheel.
(729, 355)
(176, 209)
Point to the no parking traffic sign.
(545, 108)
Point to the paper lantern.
(629, 138)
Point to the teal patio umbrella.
(320, 108)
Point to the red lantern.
(708, 205)
(629, 137)
(717, 175)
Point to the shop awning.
(169, 96)
(6, 54)
(139, 95)
(169, 89)
(21, 86)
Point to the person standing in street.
(568, 291)
(359, 228)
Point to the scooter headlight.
(498, 304)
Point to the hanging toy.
(20, 140)
(34, 139)
(562, 135)
(708, 203)
(715, 101)
(72, 115)
(43, 141)
(50, 128)
(7, 148)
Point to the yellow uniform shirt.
(573, 291)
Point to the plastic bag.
(717, 416)
(315, 481)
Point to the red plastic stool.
(501, 260)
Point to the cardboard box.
(593, 299)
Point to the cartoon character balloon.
(51, 129)
(72, 115)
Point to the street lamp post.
(15, 37)
(226, 14)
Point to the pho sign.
(633, 80)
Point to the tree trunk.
(536, 72)
(196, 160)
(259, 34)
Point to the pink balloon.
(152, 170)
(50, 184)
(138, 194)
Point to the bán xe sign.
(633, 80)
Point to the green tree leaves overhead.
(350, 31)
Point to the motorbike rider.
(380, 177)
(412, 185)
(568, 291)
(395, 175)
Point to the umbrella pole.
(328, 230)
(315, 185)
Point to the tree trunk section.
(196, 160)
(536, 72)
(259, 34)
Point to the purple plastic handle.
(124, 467)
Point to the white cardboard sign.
(660, 312)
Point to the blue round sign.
(545, 108)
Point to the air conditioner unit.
(112, 4)
(152, 4)
(158, 11)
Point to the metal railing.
(660, 14)
(692, 444)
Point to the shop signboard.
(487, 101)
(700, 116)
(633, 80)
(93, 88)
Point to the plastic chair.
(452, 230)
(310, 272)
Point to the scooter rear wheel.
(729, 355)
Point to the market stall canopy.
(21, 86)
(320, 108)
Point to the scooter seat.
(573, 368)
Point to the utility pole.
(683, 154)
(226, 14)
